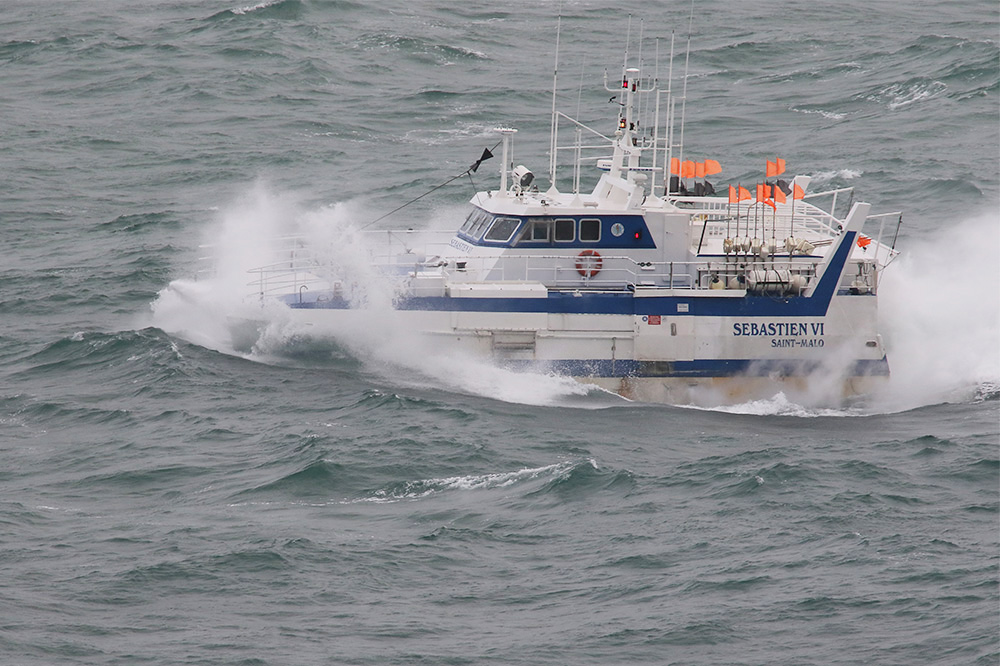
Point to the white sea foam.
(824, 177)
(240, 11)
(202, 311)
(414, 490)
(244, 236)
(388, 348)
(830, 115)
(780, 405)
(940, 313)
(901, 95)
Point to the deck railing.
(407, 255)
(555, 271)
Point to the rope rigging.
(487, 154)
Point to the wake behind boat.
(648, 285)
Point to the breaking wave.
(415, 490)
(208, 310)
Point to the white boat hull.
(671, 357)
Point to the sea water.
(363, 499)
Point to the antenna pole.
(552, 130)
(656, 82)
(638, 100)
(687, 59)
(628, 39)
(669, 128)
(656, 119)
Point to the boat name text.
(460, 245)
(777, 328)
(782, 333)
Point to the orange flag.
(798, 192)
(687, 169)
(712, 167)
(864, 241)
(699, 170)
(764, 194)
(675, 166)
(734, 196)
(775, 168)
(779, 195)
(745, 194)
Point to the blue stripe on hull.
(623, 303)
(698, 368)
(626, 304)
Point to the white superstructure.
(644, 285)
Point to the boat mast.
(632, 76)
(625, 92)
(684, 88)
(638, 100)
(656, 117)
(553, 130)
(668, 128)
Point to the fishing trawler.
(649, 285)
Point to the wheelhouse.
(486, 229)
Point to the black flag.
(486, 155)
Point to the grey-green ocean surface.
(165, 500)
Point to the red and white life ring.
(589, 263)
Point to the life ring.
(589, 263)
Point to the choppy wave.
(93, 350)
(167, 502)
(325, 483)
(780, 405)
(899, 95)
(280, 9)
(415, 490)
(829, 115)
(419, 48)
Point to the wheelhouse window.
(474, 220)
(503, 229)
(565, 231)
(590, 230)
(476, 223)
(538, 231)
(484, 221)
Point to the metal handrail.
(617, 272)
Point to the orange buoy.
(589, 263)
